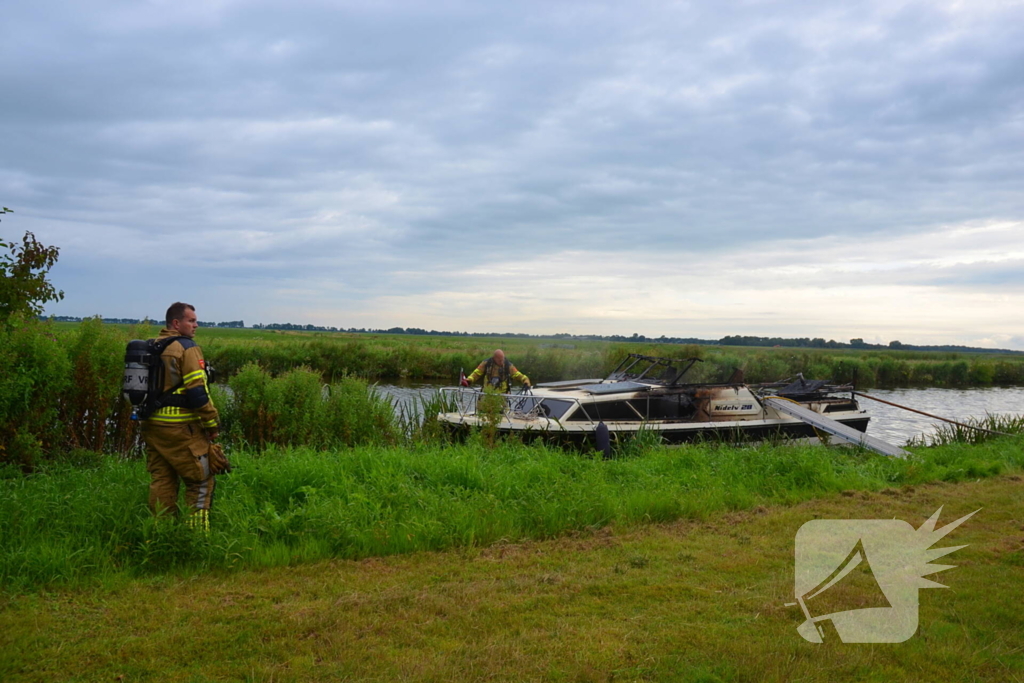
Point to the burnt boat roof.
(631, 376)
(636, 367)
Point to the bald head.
(499, 357)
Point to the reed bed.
(972, 431)
(392, 357)
(80, 522)
(383, 357)
(60, 392)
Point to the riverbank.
(61, 392)
(684, 601)
(79, 523)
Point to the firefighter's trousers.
(178, 452)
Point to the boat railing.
(521, 406)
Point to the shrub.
(297, 408)
(92, 409)
(36, 373)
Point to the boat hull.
(670, 433)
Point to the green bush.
(982, 373)
(94, 413)
(297, 408)
(36, 374)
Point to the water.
(892, 424)
(407, 394)
(897, 426)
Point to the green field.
(390, 357)
(686, 601)
(405, 356)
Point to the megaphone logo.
(857, 580)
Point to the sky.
(694, 169)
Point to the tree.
(23, 284)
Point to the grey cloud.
(363, 139)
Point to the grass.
(991, 427)
(684, 601)
(72, 525)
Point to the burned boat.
(650, 393)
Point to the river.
(892, 424)
(897, 426)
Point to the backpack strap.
(168, 399)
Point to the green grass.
(70, 524)
(687, 601)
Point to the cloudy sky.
(797, 168)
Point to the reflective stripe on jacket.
(497, 376)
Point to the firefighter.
(498, 373)
(179, 435)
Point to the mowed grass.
(691, 600)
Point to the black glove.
(218, 461)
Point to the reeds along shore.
(60, 388)
(391, 357)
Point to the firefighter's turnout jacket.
(185, 376)
(498, 375)
(177, 446)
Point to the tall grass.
(417, 419)
(60, 389)
(60, 394)
(68, 524)
(298, 409)
(393, 357)
(972, 430)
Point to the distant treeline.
(819, 343)
(157, 320)
(734, 340)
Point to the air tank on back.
(135, 384)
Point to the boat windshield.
(541, 406)
(651, 369)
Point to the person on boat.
(497, 372)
